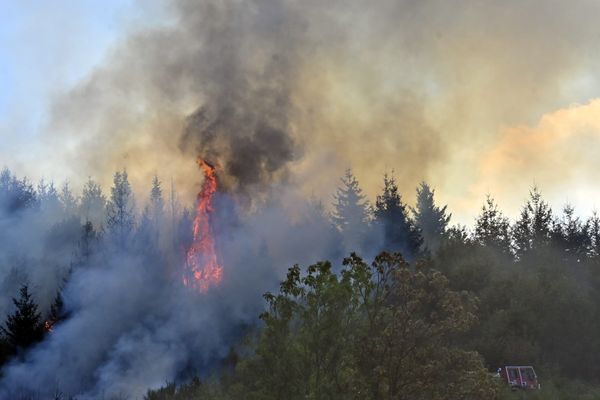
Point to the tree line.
(439, 307)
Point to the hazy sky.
(475, 97)
(44, 47)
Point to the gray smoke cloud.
(273, 92)
(244, 124)
(131, 324)
(276, 90)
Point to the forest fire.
(202, 267)
(48, 326)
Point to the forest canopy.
(436, 313)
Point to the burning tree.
(202, 266)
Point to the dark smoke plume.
(243, 126)
(271, 89)
(248, 155)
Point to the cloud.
(558, 153)
(419, 87)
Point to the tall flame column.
(203, 269)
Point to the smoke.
(250, 155)
(276, 90)
(558, 148)
(282, 96)
(131, 324)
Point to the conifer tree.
(68, 201)
(93, 203)
(15, 194)
(152, 217)
(399, 232)
(492, 228)
(593, 224)
(120, 209)
(350, 214)
(570, 234)
(430, 220)
(24, 327)
(532, 231)
(156, 200)
(49, 199)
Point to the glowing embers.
(202, 267)
(49, 326)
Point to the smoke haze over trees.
(429, 263)
(110, 315)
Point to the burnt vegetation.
(437, 310)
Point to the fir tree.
(399, 232)
(120, 209)
(49, 198)
(594, 235)
(24, 327)
(93, 203)
(15, 194)
(492, 227)
(532, 231)
(571, 234)
(431, 220)
(350, 214)
(156, 200)
(68, 201)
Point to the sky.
(44, 47)
(475, 97)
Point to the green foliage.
(532, 231)
(553, 389)
(351, 212)
(379, 331)
(571, 235)
(522, 294)
(540, 307)
(430, 220)
(391, 215)
(24, 327)
(492, 228)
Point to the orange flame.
(49, 326)
(203, 269)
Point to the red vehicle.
(519, 376)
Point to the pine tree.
(120, 209)
(93, 203)
(68, 201)
(430, 220)
(399, 233)
(49, 198)
(350, 215)
(532, 231)
(492, 228)
(152, 217)
(157, 203)
(594, 235)
(15, 194)
(24, 327)
(570, 234)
